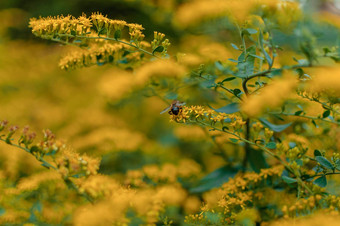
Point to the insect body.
(174, 108)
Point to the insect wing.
(181, 104)
(165, 110)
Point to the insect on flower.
(174, 108)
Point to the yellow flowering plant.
(251, 137)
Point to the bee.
(174, 108)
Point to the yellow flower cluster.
(168, 173)
(159, 68)
(147, 203)
(115, 84)
(107, 53)
(270, 97)
(72, 164)
(50, 26)
(97, 186)
(247, 180)
(195, 12)
(80, 31)
(193, 113)
(301, 206)
(32, 182)
(109, 138)
(236, 195)
(327, 81)
(319, 218)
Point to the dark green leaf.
(158, 49)
(233, 140)
(257, 160)
(237, 92)
(275, 128)
(314, 123)
(317, 153)
(214, 179)
(117, 34)
(288, 180)
(298, 113)
(246, 63)
(228, 109)
(266, 55)
(321, 181)
(326, 114)
(324, 162)
(228, 79)
(271, 145)
(74, 33)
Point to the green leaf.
(326, 114)
(233, 140)
(298, 113)
(324, 162)
(234, 46)
(45, 165)
(288, 180)
(321, 181)
(228, 109)
(271, 145)
(337, 163)
(228, 79)
(251, 30)
(158, 49)
(237, 92)
(214, 179)
(246, 63)
(275, 128)
(314, 123)
(317, 153)
(256, 56)
(257, 160)
(266, 55)
(74, 33)
(232, 60)
(117, 34)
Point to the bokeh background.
(79, 106)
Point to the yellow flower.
(271, 96)
(159, 68)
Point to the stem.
(246, 146)
(306, 116)
(325, 174)
(40, 159)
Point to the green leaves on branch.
(324, 162)
(246, 63)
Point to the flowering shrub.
(251, 136)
